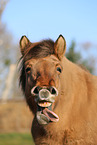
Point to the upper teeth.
(44, 104)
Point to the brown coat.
(73, 117)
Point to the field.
(15, 123)
(16, 139)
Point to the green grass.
(16, 139)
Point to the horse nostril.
(53, 91)
(44, 93)
(35, 90)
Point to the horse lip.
(40, 108)
(45, 115)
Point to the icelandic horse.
(61, 94)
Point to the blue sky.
(75, 19)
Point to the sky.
(40, 19)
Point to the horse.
(61, 94)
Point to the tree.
(72, 55)
(2, 6)
(7, 53)
(77, 58)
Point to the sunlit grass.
(16, 139)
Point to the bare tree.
(8, 54)
(2, 6)
(7, 48)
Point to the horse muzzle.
(44, 96)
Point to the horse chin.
(45, 114)
(41, 117)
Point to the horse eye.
(59, 69)
(28, 69)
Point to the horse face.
(42, 81)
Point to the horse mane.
(34, 50)
(40, 49)
(83, 67)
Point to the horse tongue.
(51, 115)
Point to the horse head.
(40, 76)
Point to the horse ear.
(60, 47)
(24, 41)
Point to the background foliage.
(77, 58)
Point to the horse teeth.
(44, 104)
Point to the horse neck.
(73, 83)
(77, 90)
(73, 76)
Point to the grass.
(16, 139)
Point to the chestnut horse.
(62, 95)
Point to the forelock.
(40, 50)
